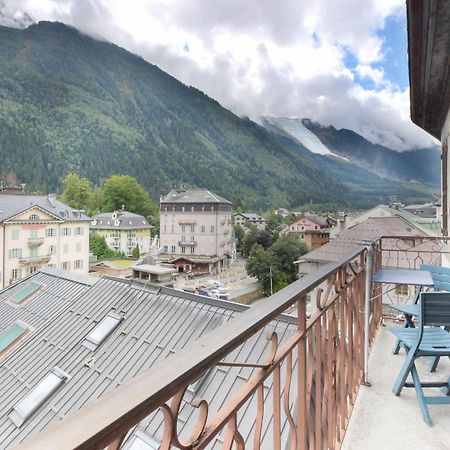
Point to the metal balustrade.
(314, 375)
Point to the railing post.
(301, 375)
(367, 300)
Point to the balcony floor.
(382, 421)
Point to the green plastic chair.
(427, 340)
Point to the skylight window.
(42, 392)
(11, 335)
(102, 330)
(25, 293)
(140, 441)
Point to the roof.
(429, 63)
(152, 268)
(13, 204)
(119, 220)
(321, 221)
(251, 216)
(157, 322)
(193, 196)
(58, 290)
(372, 228)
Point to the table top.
(403, 276)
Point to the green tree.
(273, 221)
(77, 191)
(264, 238)
(239, 234)
(249, 241)
(260, 264)
(135, 252)
(286, 250)
(125, 191)
(98, 247)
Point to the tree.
(286, 250)
(125, 191)
(77, 191)
(135, 252)
(273, 221)
(239, 234)
(264, 238)
(249, 241)
(98, 247)
(260, 264)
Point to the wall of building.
(126, 240)
(210, 232)
(29, 244)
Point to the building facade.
(242, 218)
(38, 231)
(196, 231)
(312, 230)
(123, 231)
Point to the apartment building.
(123, 231)
(311, 229)
(244, 218)
(195, 228)
(37, 231)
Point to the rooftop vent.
(42, 392)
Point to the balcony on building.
(35, 241)
(39, 259)
(187, 243)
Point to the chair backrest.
(435, 309)
(440, 276)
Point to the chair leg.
(404, 372)
(434, 363)
(421, 396)
(408, 324)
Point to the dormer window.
(42, 392)
(102, 331)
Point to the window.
(165, 228)
(192, 249)
(78, 264)
(303, 236)
(203, 228)
(212, 208)
(173, 228)
(42, 392)
(78, 247)
(402, 290)
(66, 265)
(79, 231)
(183, 209)
(33, 269)
(15, 253)
(102, 331)
(183, 249)
(192, 239)
(140, 441)
(33, 233)
(192, 208)
(192, 228)
(166, 249)
(52, 249)
(50, 232)
(66, 248)
(15, 234)
(15, 274)
(203, 209)
(183, 238)
(212, 228)
(66, 231)
(34, 217)
(183, 228)
(25, 293)
(11, 335)
(165, 209)
(173, 249)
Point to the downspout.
(367, 301)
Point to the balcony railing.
(187, 243)
(35, 242)
(35, 259)
(314, 374)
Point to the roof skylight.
(101, 331)
(11, 335)
(25, 293)
(42, 392)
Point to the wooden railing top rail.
(108, 418)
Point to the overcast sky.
(340, 62)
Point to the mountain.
(73, 103)
(421, 165)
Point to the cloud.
(259, 57)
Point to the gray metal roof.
(119, 220)
(193, 196)
(59, 289)
(11, 205)
(157, 323)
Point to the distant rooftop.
(119, 220)
(13, 204)
(193, 196)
